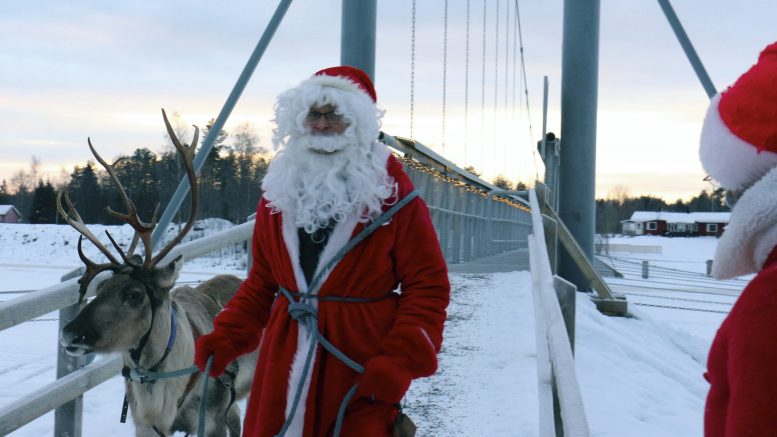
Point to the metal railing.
(560, 401)
(65, 294)
(471, 219)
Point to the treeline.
(230, 187)
(229, 183)
(610, 212)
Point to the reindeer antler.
(188, 160)
(72, 217)
(142, 229)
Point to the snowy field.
(640, 376)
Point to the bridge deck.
(504, 262)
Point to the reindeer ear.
(166, 276)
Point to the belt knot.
(301, 312)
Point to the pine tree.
(212, 176)
(139, 175)
(249, 165)
(44, 209)
(85, 194)
(471, 169)
(502, 183)
(5, 193)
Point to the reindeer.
(137, 313)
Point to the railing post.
(551, 240)
(645, 269)
(69, 417)
(566, 294)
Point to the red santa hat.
(739, 136)
(346, 78)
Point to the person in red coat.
(381, 306)
(739, 150)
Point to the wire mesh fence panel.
(469, 223)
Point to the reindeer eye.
(133, 296)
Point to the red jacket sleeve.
(410, 348)
(246, 314)
(416, 335)
(752, 362)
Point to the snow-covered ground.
(640, 376)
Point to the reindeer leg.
(233, 420)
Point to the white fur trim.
(731, 161)
(751, 233)
(338, 82)
(340, 236)
(291, 240)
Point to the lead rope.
(143, 376)
(302, 312)
(204, 398)
(305, 314)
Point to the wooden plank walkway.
(504, 262)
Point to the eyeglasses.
(329, 116)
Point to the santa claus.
(339, 232)
(739, 150)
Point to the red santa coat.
(742, 364)
(404, 331)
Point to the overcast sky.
(78, 69)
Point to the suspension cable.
(505, 114)
(483, 96)
(466, 90)
(507, 52)
(514, 117)
(412, 71)
(515, 44)
(523, 67)
(526, 89)
(496, 84)
(444, 71)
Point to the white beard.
(315, 179)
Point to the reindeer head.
(125, 304)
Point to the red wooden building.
(9, 214)
(675, 224)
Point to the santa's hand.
(384, 380)
(218, 346)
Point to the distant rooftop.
(680, 217)
(4, 209)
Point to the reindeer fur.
(101, 327)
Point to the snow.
(4, 209)
(639, 375)
(680, 217)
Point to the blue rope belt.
(346, 299)
(306, 315)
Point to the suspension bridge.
(481, 227)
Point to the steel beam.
(579, 87)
